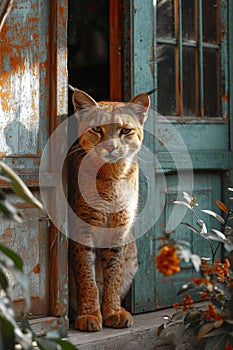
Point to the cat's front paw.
(122, 319)
(91, 323)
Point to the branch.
(5, 13)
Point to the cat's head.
(110, 130)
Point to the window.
(192, 58)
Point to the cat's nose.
(109, 148)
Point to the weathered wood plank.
(33, 101)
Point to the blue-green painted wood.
(200, 59)
(224, 59)
(143, 41)
(196, 136)
(230, 27)
(180, 69)
(207, 188)
(209, 144)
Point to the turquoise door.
(183, 50)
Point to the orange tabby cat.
(103, 193)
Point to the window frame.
(179, 44)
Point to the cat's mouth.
(109, 158)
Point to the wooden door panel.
(205, 132)
(24, 111)
(33, 100)
(151, 290)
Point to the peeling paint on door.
(33, 99)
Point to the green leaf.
(10, 258)
(65, 344)
(190, 227)
(19, 186)
(9, 210)
(212, 213)
(7, 337)
(14, 263)
(193, 317)
(187, 286)
(217, 236)
(3, 281)
(6, 310)
(230, 338)
(45, 344)
(204, 330)
(216, 343)
(216, 332)
(229, 321)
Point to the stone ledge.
(142, 335)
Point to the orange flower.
(198, 281)
(176, 306)
(217, 269)
(222, 206)
(204, 295)
(168, 261)
(226, 267)
(211, 313)
(187, 303)
(228, 346)
(222, 270)
(192, 203)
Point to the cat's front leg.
(83, 265)
(113, 314)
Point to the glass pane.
(188, 19)
(166, 80)
(210, 9)
(165, 19)
(211, 83)
(189, 81)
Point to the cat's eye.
(97, 129)
(125, 131)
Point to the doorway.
(88, 47)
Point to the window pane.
(211, 83)
(188, 19)
(189, 81)
(166, 80)
(165, 19)
(210, 15)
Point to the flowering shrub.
(11, 264)
(168, 260)
(207, 325)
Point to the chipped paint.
(32, 98)
(23, 57)
(36, 269)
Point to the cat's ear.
(81, 100)
(143, 102)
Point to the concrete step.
(141, 336)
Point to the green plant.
(12, 264)
(207, 325)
